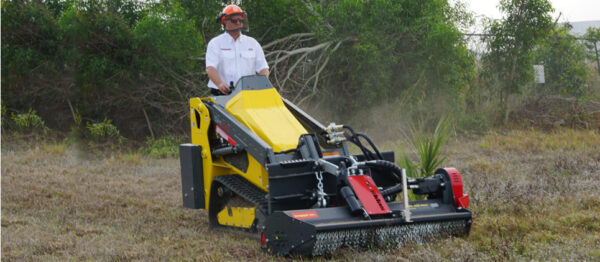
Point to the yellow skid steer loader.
(261, 165)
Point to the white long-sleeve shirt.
(234, 58)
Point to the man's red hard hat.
(229, 11)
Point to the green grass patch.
(58, 148)
(167, 146)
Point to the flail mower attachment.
(364, 216)
(262, 166)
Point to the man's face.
(234, 22)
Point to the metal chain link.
(321, 198)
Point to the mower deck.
(323, 230)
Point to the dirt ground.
(534, 196)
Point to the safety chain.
(321, 198)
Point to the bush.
(29, 122)
(104, 131)
(164, 147)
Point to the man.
(232, 55)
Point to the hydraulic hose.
(396, 170)
(352, 138)
(355, 206)
(396, 174)
(391, 190)
(225, 151)
(370, 143)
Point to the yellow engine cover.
(264, 113)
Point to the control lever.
(231, 87)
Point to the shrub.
(29, 122)
(104, 131)
(164, 147)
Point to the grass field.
(534, 196)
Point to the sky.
(572, 10)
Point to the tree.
(30, 51)
(563, 57)
(510, 58)
(129, 61)
(137, 62)
(364, 52)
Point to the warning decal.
(305, 215)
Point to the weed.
(29, 122)
(164, 147)
(95, 136)
(104, 131)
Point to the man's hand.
(224, 88)
(214, 77)
(264, 72)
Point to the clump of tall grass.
(427, 147)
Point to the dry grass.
(534, 196)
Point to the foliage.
(126, 59)
(138, 62)
(167, 146)
(201, 13)
(428, 148)
(593, 50)
(104, 59)
(274, 19)
(593, 36)
(29, 122)
(401, 45)
(510, 58)
(104, 131)
(563, 58)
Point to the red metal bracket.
(369, 195)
